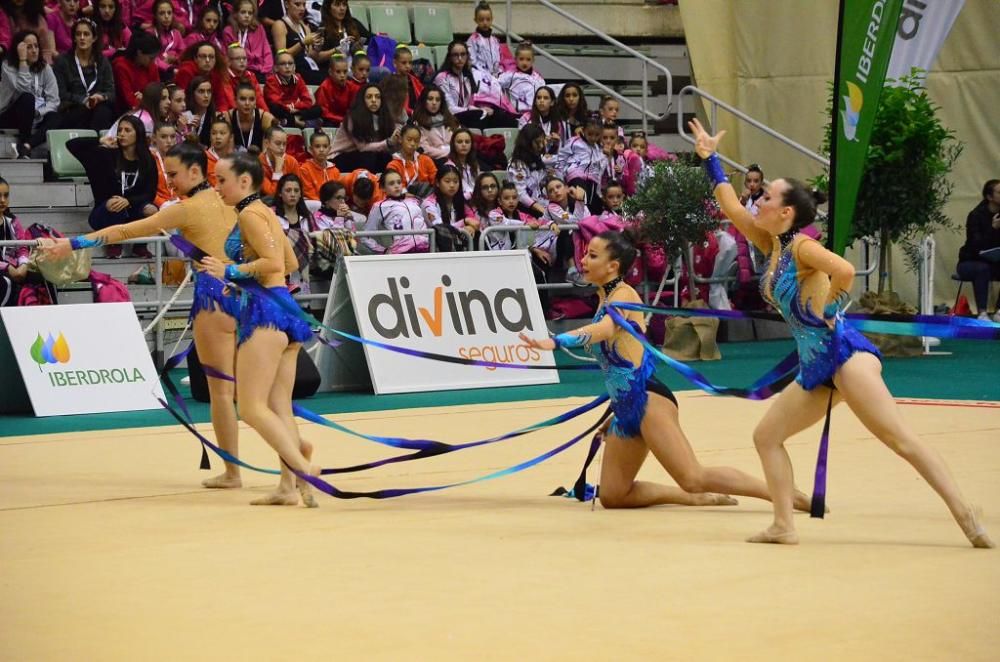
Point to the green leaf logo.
(36, 351)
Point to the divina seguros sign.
(471, 305)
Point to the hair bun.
(819, 197)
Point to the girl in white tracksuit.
(397, 211)
(521, 84)
(484, 47)
(582, 162)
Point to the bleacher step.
(23, 171)
(55, 195)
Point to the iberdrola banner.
(866, 33)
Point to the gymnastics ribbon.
(392, 493)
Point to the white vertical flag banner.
(923, 26)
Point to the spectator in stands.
(221, 146)
(572, 108)
(29, 93)
(614, 167)
(135, 69)
(114, 34)
(127, 194)
(275, 160)
(363, 190)
(612, 199)
(607, 112)
(334, 96)
(287, 96)
(467, 102)
(368, 137)
(171, 40)
(204, 59)
(506, 214)
(154, 107)
(545, 114)
(361, 66)
(140, 14)
(436, 123)
(341, 30)
(334, 214)
(238, 74)
(248, 122)
(209, 29)
(86, 83)
(318, 170)
(753, 188)
(29, 16)
(522, 83)
(293, 35)
(463, 156)
(402, 59)
(164, 138)
(397, 211)
(413, 167)
(394, 90)
(566, 205)
(60, 24)
(527, 170)
(982, 233)
(201, 110)
(583, 163)
(296, 221)
(245, 29)
(637, 167)
(485, 198)
(177, 110)
(482, 45)
(445, 204)
(13, 261)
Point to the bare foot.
(222, 482)
(776, 536)
(712, 499)
(304, 488)
(974, 531)
(803, 503)
(277, 498)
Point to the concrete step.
(22, 171)
(7, 143)
(68, 220)
(55, 195)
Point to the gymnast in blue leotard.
(645, 411)
(809, 285)
(268, 339)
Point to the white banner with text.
(471, 305)
(82, 359)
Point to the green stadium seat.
(440, 55)
(292, 131)
(423, 52)
(501, 176)
(393, 21)
(360, 12)
(432, 25)
(306, 135)
(510, 135)
(64, 164)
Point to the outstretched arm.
(725, 194)
(586, 335)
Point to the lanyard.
(79, 69)
(242, 36)
(248, 139)
(126, 183)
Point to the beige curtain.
(773, 59)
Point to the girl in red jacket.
(411, 165)
(287, 96)
(204, 59)
(335, 96)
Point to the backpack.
(36, 294)
(447, 239)
(106, 289)
(381, 50)
(424, 70)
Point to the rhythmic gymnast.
(205, 221)
(645, 410)
(809, 286)
(268, 339)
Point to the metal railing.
(645, 60)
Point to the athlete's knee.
(691, 479)
(612, 498)
(766, 438)
(252, 413)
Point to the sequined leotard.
(255, 311)
(628, 384)
(821, 350)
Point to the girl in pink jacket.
(436, 123)
(245, 30)
(398, 211)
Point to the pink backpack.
(107, 289)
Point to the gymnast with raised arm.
(645, 411)
(809, 286)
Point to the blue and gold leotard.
(822, 350)
(628, 384)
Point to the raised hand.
(546, 344)
(705, 145)
(50, 248)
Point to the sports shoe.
(983, 316)
(142, 251)
(113, 252)
(996, 317)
